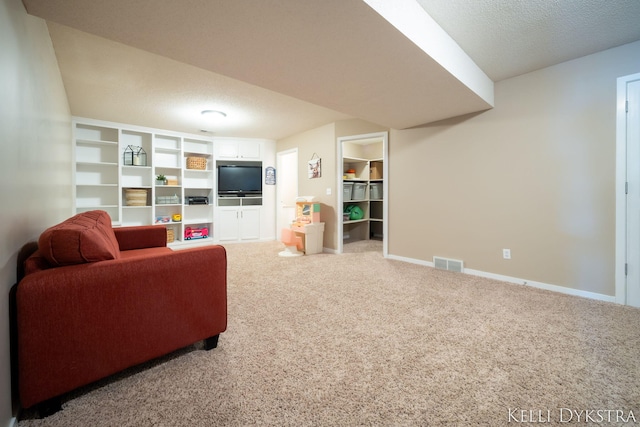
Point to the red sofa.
(95, 300)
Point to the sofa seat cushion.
(85, 237)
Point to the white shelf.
(95, 142)
(167, 150)
(101, 177)
(197, 221)
(355, 221)
(372, 221)
(106, 164)
(95, 206)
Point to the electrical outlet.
(506, 253)
(328, 191)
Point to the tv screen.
(239, 180)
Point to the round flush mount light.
(211, 118)
(214, 114)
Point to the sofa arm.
(81, 323)
(140, 237)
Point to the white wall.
(35, 154)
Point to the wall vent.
(448, 264)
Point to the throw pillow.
(85, 237)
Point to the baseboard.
(518, 281)
(411, 260)
(13, 422)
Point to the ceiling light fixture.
(211, 118)
(214, 114)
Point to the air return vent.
(448, 264)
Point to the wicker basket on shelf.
(135, 197)
(196, 163)
(170, 235)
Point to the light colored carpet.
(359, 340)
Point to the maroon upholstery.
(36, 262)
(83, 322)
(146, 236)
(86, 237)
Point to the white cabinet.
(198, 183)
(167, 163)
(239, 223)
(136, 177)
(107, 178)
(238, 149)
(96, 170)
(363, 189)
(116, 166)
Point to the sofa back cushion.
(35, 262)
(85, 237)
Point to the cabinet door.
(250, 223)
(245, 150)
(228, 223)
(249, 150)
(228, 149)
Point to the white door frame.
(279, 186)
(384, 136)
(621, 188)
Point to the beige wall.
(322, 141)
(357, 127)
(318, 141)
(35, 153)
(536, 175)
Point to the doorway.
(287, 188)
(363, 191)
(628, 191)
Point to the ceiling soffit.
(338, 54)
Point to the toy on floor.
(292, 243)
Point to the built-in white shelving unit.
(97, 170)
(130, 193)
(363, 188)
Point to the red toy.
(196, 233)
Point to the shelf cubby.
(364, 188)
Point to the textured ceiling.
(279, 67)
(507, 38)
(115, 82)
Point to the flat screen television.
(239, 180)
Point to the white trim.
(621, 178)
(13, 422)
(412, 260)
(384, 137)
(541, 285)
(279, 155)
(518, 281)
